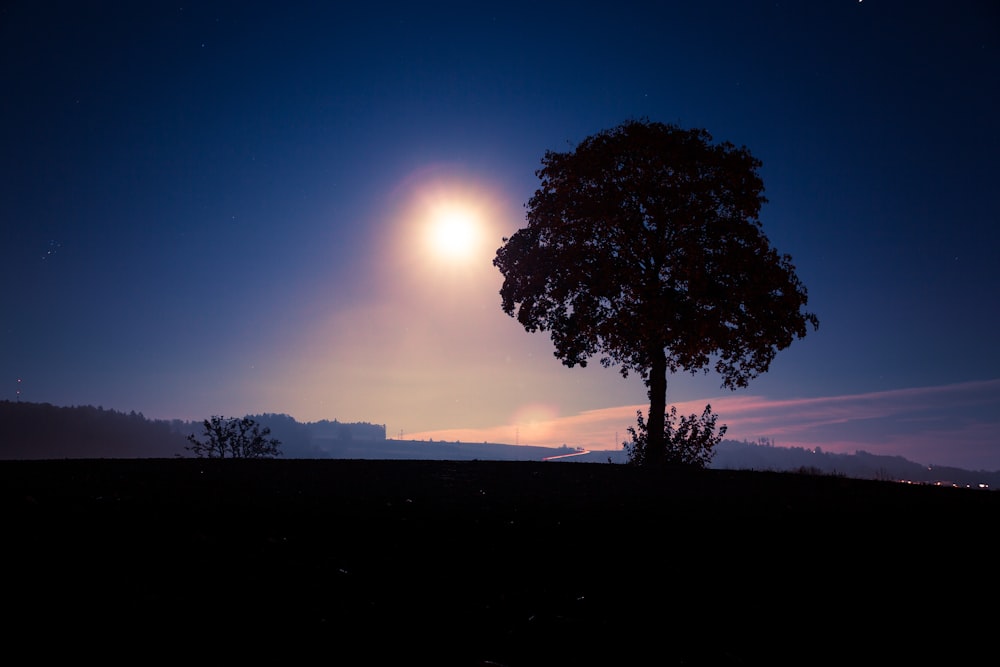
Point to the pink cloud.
(955, 424)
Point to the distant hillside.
(733, 455)
(44, 431)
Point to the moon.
(445, 225)
(453, 233)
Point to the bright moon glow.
(453, 232)
(447, 225)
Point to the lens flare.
(536, 423)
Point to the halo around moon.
(445, 231)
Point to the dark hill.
(39, 431)
(479, 563)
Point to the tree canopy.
(644, 246)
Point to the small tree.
(690, 442)
(236, 438)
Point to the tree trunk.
(656, 383)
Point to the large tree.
(644, 245)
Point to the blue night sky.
(227, 208)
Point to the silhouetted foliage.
(234, 437)
(690, 441)
(644, 245)
(43, 431)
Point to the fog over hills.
(44, 431)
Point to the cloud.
(954, 424)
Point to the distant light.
(453, 233)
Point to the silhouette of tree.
(644, 245)
(236, 438)
(690, 442)
(43, 431)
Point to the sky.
(229, 208)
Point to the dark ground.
(476, 563)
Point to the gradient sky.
(224, 208)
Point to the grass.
(505, 563)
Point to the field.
(492, 563)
